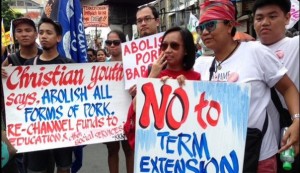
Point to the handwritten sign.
(95, 16)
(54, 106)
(200, 127)
(137, 55)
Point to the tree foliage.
(8, 14)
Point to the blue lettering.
(191, 167)
(144, 162)
(225, 164)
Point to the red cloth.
(217, 10)
(189, 75)
(129, 126)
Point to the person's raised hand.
(157, 66)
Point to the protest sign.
(137, 55)
(200, 127)
(54, 106)
(95, 16)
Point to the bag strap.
(276, 100)
(212, 69)
(35, 60)
(265, 126)
(15, 60)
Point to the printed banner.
(200, 127)
(68, 13)
(137, 55)
(54, 106)
(95, 16)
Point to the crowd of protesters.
(274, 61)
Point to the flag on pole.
(2, 33)
(12, 41)
(193, 23)
(69, 14)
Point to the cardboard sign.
(54, 106)
(137, 55)
(95, 16)
(200, 127)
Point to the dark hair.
(284, 5)
(92, 50)
(103, 50)
(119, 33)
(152, 8)
(189, 47)
(23, 20)
(233, 31)
(56, 25)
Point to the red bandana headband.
(217, 10)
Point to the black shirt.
(21, 59)
(58, 60)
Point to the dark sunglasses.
(173, 45)
(115, 42)
(209, 26)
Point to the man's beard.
(46, 47)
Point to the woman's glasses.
(115, 42)
(173, 45)
(209, 26)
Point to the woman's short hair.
(119, 33)
(189, 47)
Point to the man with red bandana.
(253, 63)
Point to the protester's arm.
(291, 96)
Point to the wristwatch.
(295, 116)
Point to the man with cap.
(25, 33)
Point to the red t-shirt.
(190, 75)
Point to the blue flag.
(68, 13)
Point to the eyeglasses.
(115, 42)
(173, 45)
(146, 20)
(209, 26)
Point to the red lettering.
(202, 104)
(136, 73)
(147, 57)
(21, 100)
(14, 130)
(126, 50)
(109, 73)
(22, 78)
(216, 105)
(183, 98)
(198, 108)
(151, 100)
(134, 48)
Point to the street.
(95, 159)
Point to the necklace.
(219, 67)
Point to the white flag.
(294, 14)
(193, 23)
